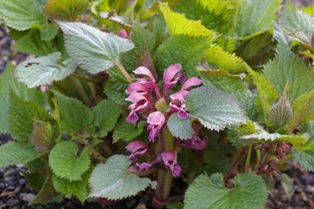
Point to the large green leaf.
(91, 48)
(294, 19)
(179, 127)
(184, 50)
(106, 116)
(304, 158)
(66, 10)
(112, 180)
(231, 84)
(14, 153)
(255, 16)
(214, 108)
(178, 24)
(32, 44)
(74, 115)
(72, 188)
(287, 67)
(21, 15)
(216, 55)
(67, 162)
(42, 70)
(205, 192)
(196, 10)
(21, 116)
(7, 83)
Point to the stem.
(82, 92)
(164, 180)
(248, 158)
(237, 158)
(83, 78)
(123, 71)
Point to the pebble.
(22, 182)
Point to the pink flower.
(196, 143)
(140, 104)
(140, 167)
(189, 83)
(177, 105)
(170, 160)
(155, 120)
(171, 77)
(177, 99)
(137, 148)
(149, 82)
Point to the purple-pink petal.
(132, 117)
(171, 71)
(196, 143)
(123, 34)
(144, 71)
(136, 87)
(137, 148)
(191, 82)
(155, 120)
(143, 166)
(170, 160)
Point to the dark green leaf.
(127, 131)
(179, 127)
(106, 115)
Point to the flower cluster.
(144, 94)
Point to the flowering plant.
(199, 103)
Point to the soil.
(15, 193)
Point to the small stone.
(29, 197)
(10, 188)
(22, 182)
(12, 202)
(2, 186)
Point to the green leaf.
(302, 110)
(14, 153)
(7, 83)
(287, 184)
(262, 135)
(309, 10)
(184, 50)
(216, 21)
(127, 131)
(179, 127)
(210, 193)
(106, 115)
(214, 108)
(267, 94)
(115, 88)
(255, 16)
(74, 115)
(287, 67)
(32, 44)
(237, 131)
(48, 31)
(294, 19)
(46, 193)
(216, 55)
(189, 163)
(66, 161)
(43, 136)
(42, 70)
(304, 158)
(231, 84)
(281, 112)
(91, 48)
(179, 25)
(21, 15)
(21, 116)
(143, 40)
(112, 180)
(67, 10)
(72, 188)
